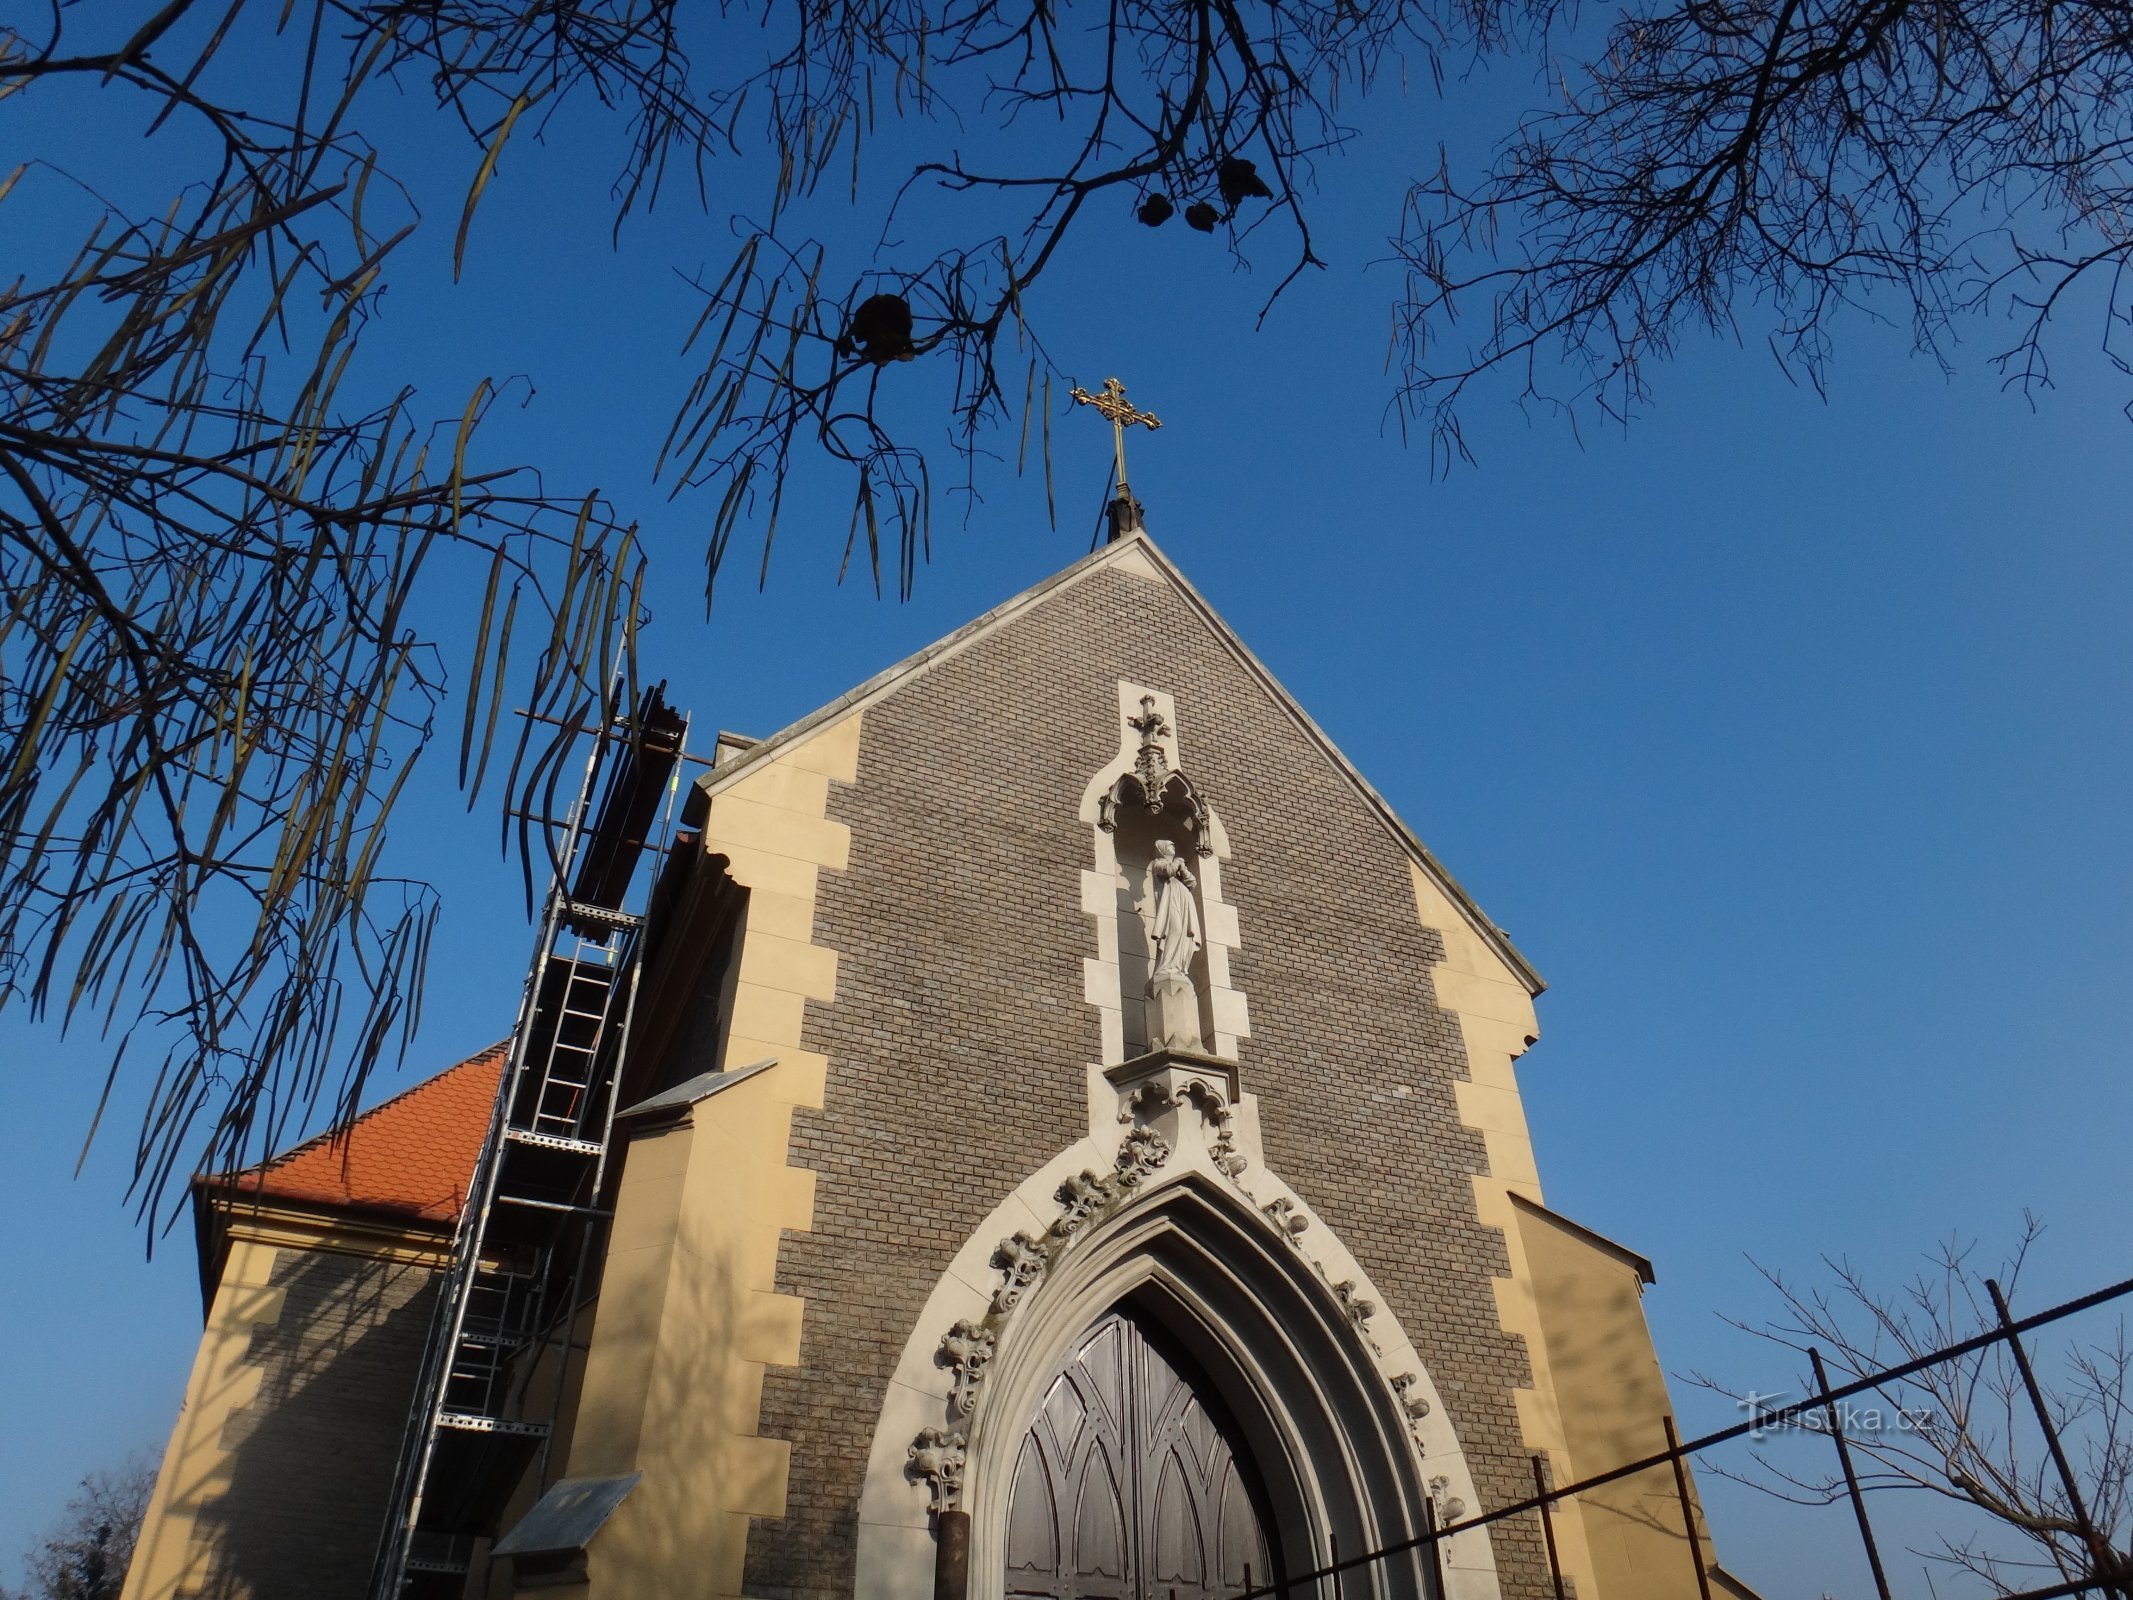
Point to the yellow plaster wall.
(170, 1558)
(1612, 1395)
(689, 1312)
(1496, 1019)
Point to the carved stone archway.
(1287, 1364)
(1179, 1219)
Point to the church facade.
(1076, 1151)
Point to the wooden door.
(1128, 1486)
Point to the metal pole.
(1688, 1508)
(2103, 1560)
(951, 1557)
(1540, 1493)
(1851, 1478)
(1436, 1545)
(1761, 1420)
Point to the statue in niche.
(1174, 1021)
(1177, 918)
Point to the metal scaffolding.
(526, 1252)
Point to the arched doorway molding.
(1319, 1422)
(1340, 1414)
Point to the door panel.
(1033, 1515)
(1127, 1486)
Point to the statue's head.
(1165, 849)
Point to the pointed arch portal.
(1131, 1482)
(1235, 1334)
(1323, 1427)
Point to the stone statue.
(1177, 918)
(1175, 1010)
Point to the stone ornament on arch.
(1023, 1259)
(936, 1457)
(965, 1349)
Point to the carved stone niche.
(1161, 834)
(1153, 786)
(1188, 1098)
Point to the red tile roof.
(411, 1157)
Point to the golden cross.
(1112, 405)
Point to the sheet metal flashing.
(690, 1090)
(564, 1520)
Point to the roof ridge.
(1483, 923)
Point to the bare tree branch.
(218, 653)
(1963, 1430)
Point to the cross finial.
(1149, 724)
(1114, 408)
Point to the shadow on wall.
(311, 1459)
(684, 1331)
(1615, 1402)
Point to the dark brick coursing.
(313, 1454)
(959, 1032)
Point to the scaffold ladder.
(527, 1238)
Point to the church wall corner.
(692, 1315)
(170, 1558)
(1496, 1025)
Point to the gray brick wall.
(313, 1455)
(959, 1032)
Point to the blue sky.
(1787, 735)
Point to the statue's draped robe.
(1177, 918)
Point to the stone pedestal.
(1187, 1097)
(1174, 1014)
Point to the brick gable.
(958, 1036)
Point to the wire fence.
(2100, 1568)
